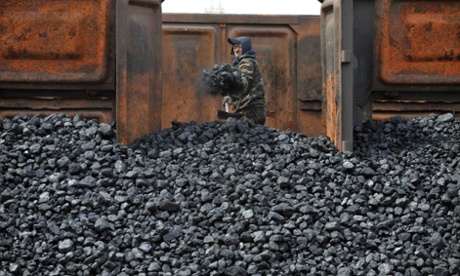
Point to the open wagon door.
(337, 64)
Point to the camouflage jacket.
(253, 94)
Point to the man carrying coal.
(241, 83)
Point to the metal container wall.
(416, 63)
(97, 58)
(331, 34)
(288, 51)
(65, 43)
(417, 45)
(337, 76)
(138, 51)
(404, 56)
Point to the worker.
(249, 99)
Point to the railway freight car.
(98, 58)
(288, 52)
(378, 59)
(127, 63)
(387, 57)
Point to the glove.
(227, 79)
(223, 79)
(225, 67)
(214, 81)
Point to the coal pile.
(227, 199)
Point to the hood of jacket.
(245, 45)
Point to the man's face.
(237, 50)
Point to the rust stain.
(332, 120)
(419, 41)
(187, 51)
(121, 106)
(271, 113)
(53, 41)
(141, 117)
(139, 109)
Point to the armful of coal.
(224, 80)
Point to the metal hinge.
(346, 56)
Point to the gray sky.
(301, 7)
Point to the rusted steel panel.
(231, 19)
(100, 115)
(411, 106)
(100, 109)
(89, 104)
(90, 57)
(285, 46)
(331, 35)
(138, 47)
(275, 47)
(187, 50)
(385, 109)
(54, 41)
(417, 44)
(309, 76)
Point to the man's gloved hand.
(224, 80)
(225, 67)
(227, 80)
(214, 81)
